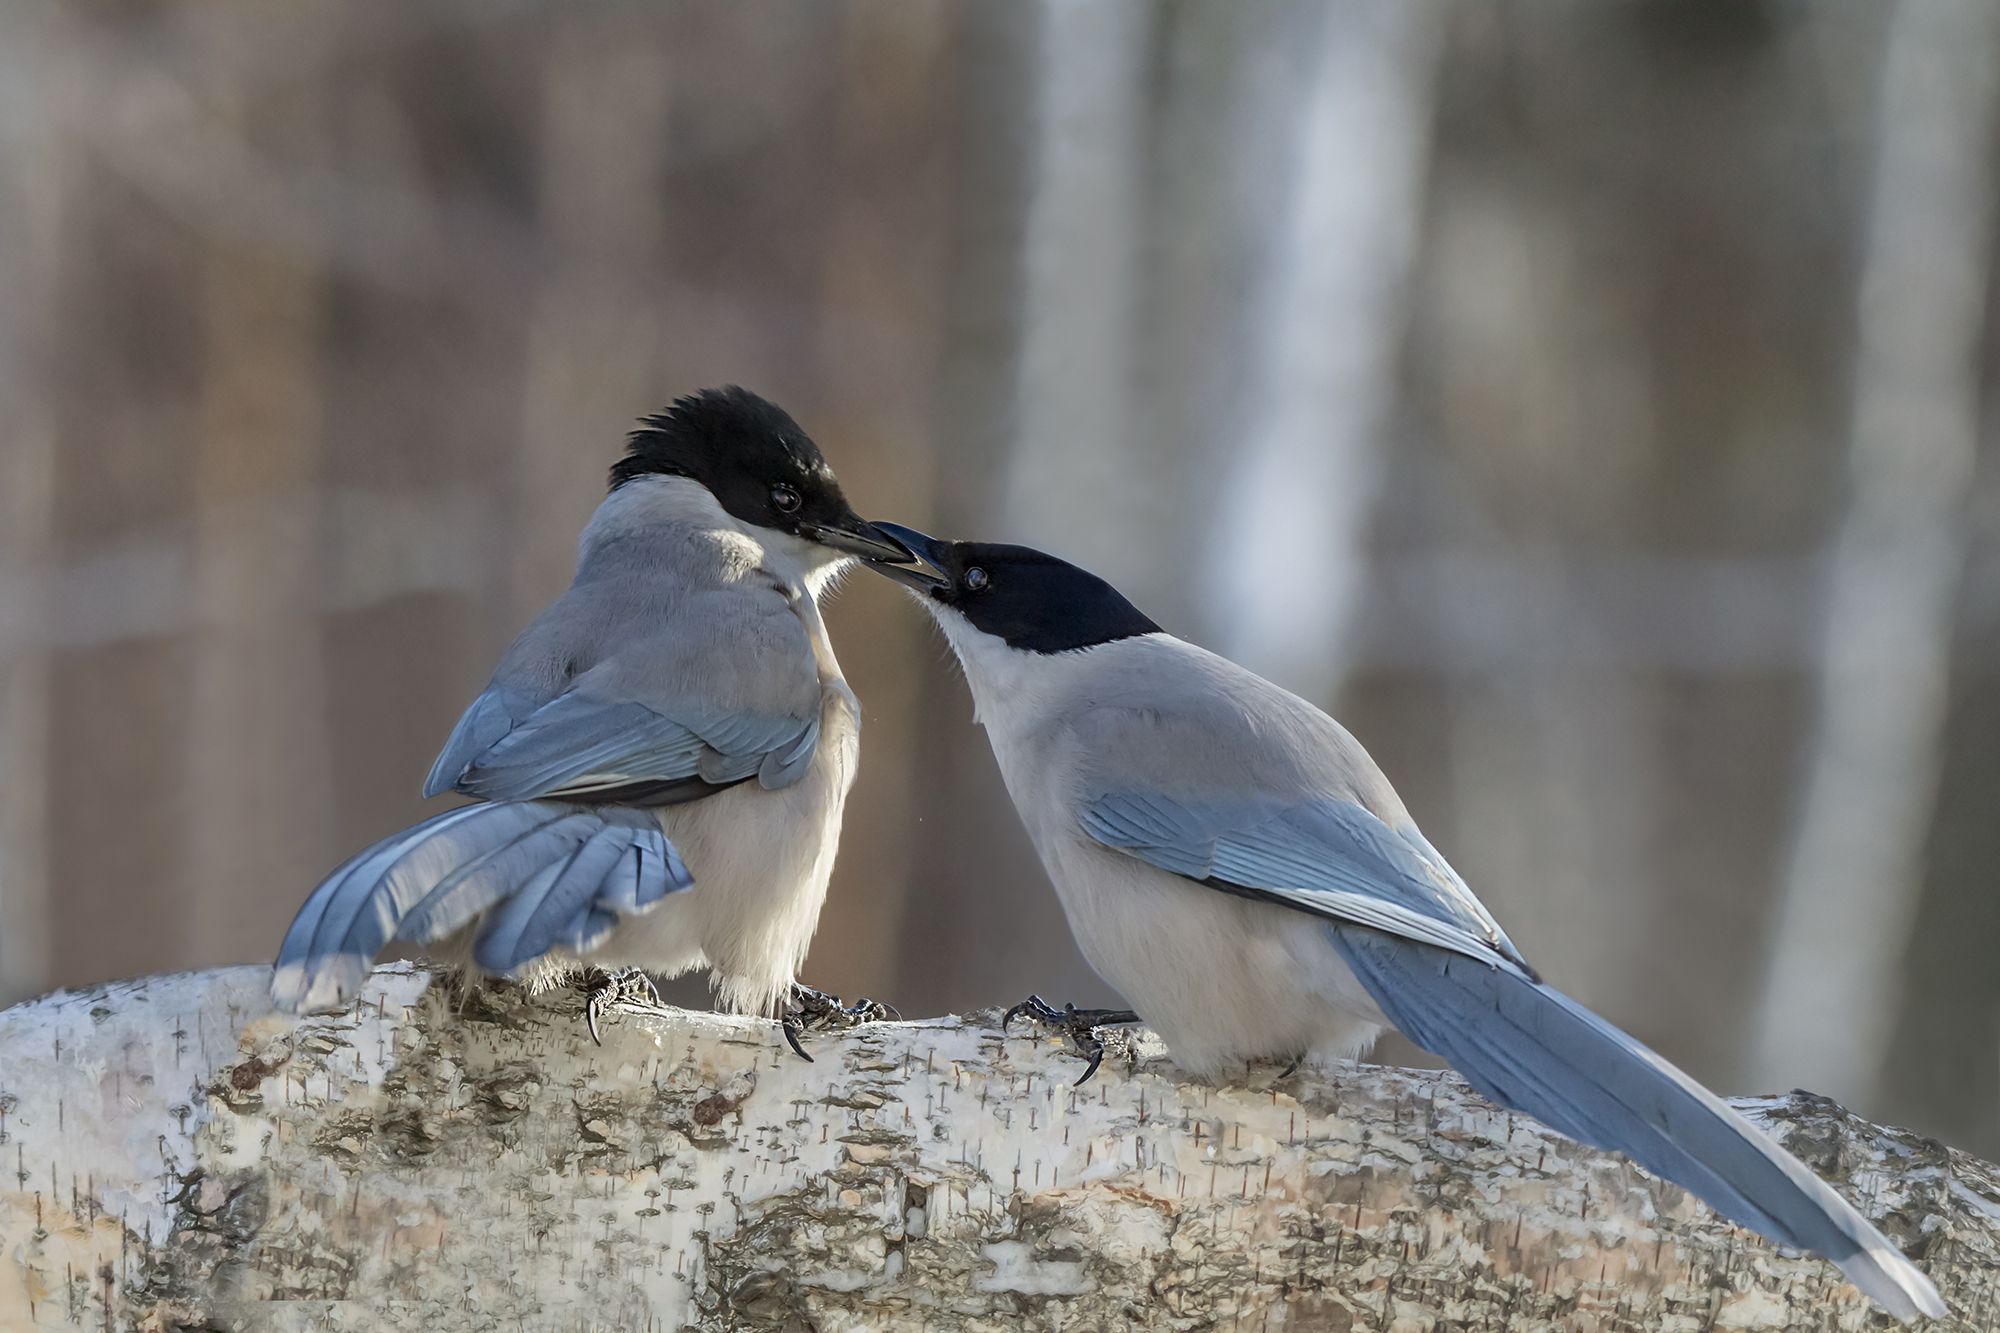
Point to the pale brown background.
(1604, 395)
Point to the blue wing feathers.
(589, 931)
(1534, 1049)
(783, 767)
(618, 889)
(1441, 970)
(551, 905)
(492, 715)
(576, 742)
(543, 873)
(661, 870)
(354, 915)
(722, 769)
(1330, 858)
(486, 877)
(576, 738)
(548, 871)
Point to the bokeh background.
(1592, 404)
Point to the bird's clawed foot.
(810, 1010)
(627, 990)
(1077, 1026)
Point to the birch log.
(177, 1157)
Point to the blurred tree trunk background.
(1524, 382)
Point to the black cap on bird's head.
(760, 466)
(1030, 599)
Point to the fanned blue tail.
(1536, 1050)
(546, 873)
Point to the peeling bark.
(177, 1157)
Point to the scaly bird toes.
(815, 1010)
(1077, 1027)
(626, 990)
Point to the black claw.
(813, 1010)
(628, 988)
(1077, 1026)
(1035, 1007)
(1096, 1059)
(865, 1010)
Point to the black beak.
(928, 551)
(855, 536)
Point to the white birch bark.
(178, 1157)
(1855, 868)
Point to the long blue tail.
(1538, 1051)
(546, 873)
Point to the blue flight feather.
(1440, 969)
(1327, 857)
(492, 715)
(576, 742)
(1534, 1049)
(431, 880)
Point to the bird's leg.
(809, 1009)
(627, 989)
(1077, 1026)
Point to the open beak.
(925, 551)
(857, 537)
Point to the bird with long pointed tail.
(1234, 863)
(659, 765)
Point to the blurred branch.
(377, 545)
(155, 124)
(1447, 613)
(33, 202)
(258, 698)
(1082, 278)
(1326, 328)
(441, 1160)
(1856, 862)
(960, 932)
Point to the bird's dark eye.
(975, 579)
(784, 499)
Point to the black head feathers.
(718, 429)
(1033, 600)
(747, 451)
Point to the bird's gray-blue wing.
(558, 852)
(1430, 957)
(588, 744)
(641, 686)
(498, 710)
(557, 873)
(581, 746)
(638, 688)
(1326, 857)
(1528, 1046)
